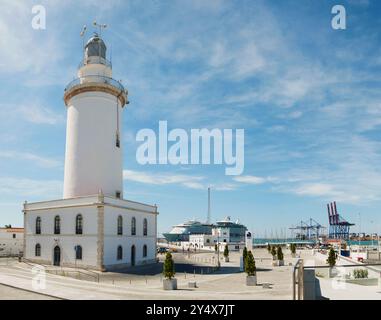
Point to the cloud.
(22, 187)
(39, 115)
(162, 178)
(43, 162)
(253, 179)
(188, 181)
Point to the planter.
(226, 259)
(251, 280)
(332, 272)
(170, 284)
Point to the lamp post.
(218, 248)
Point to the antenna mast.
(209, 214)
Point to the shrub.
(226, 251)
(332, 256)
(279, 253)
(269, 248)
(293, 248)
(250, 268)
(169, 266)
(273, 251)
(244, 255)
(360, 273)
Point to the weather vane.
(100, 26)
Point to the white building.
(92, 226)
(11, 241)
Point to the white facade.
(99, 240)
(11, 241)
(92, 226)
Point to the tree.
(269, 248)
(244, 255)
(226, 251)
(293, 248)
(169, 266)
(8, 226)
(332, 258)
(279, 254)
(273, 251)
(250, 268)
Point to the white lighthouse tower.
(93, 226)
(95, 104)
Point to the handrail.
(297, 266)
(95, 79)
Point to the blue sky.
(307, 96)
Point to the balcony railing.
(95, 79)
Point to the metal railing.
(95, 79)
(297, 280)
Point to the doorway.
(57, 256)
(132, 255)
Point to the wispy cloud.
(43, 162)
(188, 181)
(22, 187)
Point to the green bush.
(273, 251)
(169, 266)
(360, 273)
(250, 268)
(279, 253)
(269, 248)
(226, 251)
(332, 256)
(244, 256)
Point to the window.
(120, 225)
(78, 252)
(37, 250)
(117, 141)
(57, 225)
(78, 224)
(38, 225)
(133, 226)
(144, 251)
(14, 236)
(118, 194)
(145, 227)
(119, 254)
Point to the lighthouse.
(93, 226)
(95, 103)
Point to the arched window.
(57, 225)
(38, 225)
(78, 252)
(37, 250)
(145, 227)
(144, 251)
(119, 254)
(78, 224)
(133, 226)
(120, 225)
